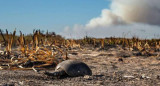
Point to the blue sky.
(52, 15)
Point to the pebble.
(87, 77)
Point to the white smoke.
(136, 17)
(107, 18)
(143, 11)
(144, 31)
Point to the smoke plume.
(140, 17)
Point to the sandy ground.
(111, 67)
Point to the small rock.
(1, 68)
(21, 83)
(143, 76)
(128, 76)
(87, 77)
